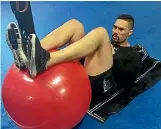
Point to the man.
(109, 64)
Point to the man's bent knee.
(102, 31)
(76, 24)
(101, 34)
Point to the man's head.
(123, 28)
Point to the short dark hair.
(128, 18)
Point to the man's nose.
(116, 31)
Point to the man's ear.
(130, 32)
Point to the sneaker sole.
(32, 63)
(14, 42)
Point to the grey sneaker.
(37, 56)
(14, 41)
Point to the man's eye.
(121, 29)
(115, 27)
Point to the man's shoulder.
(141, 51)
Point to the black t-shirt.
(127, 65)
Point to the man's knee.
(76, 24)
(101, 34)
(102, 31)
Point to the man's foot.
(37, 57)
(14, 41)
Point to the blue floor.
(144, 112)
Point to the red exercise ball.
(56, 99)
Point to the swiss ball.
(56, 99)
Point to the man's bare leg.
(69, 32)
(95, 46)
(72, 31)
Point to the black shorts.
(103, 85)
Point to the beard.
(115, 39)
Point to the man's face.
(121, 31)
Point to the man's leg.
(69, 32)
(95, 46)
